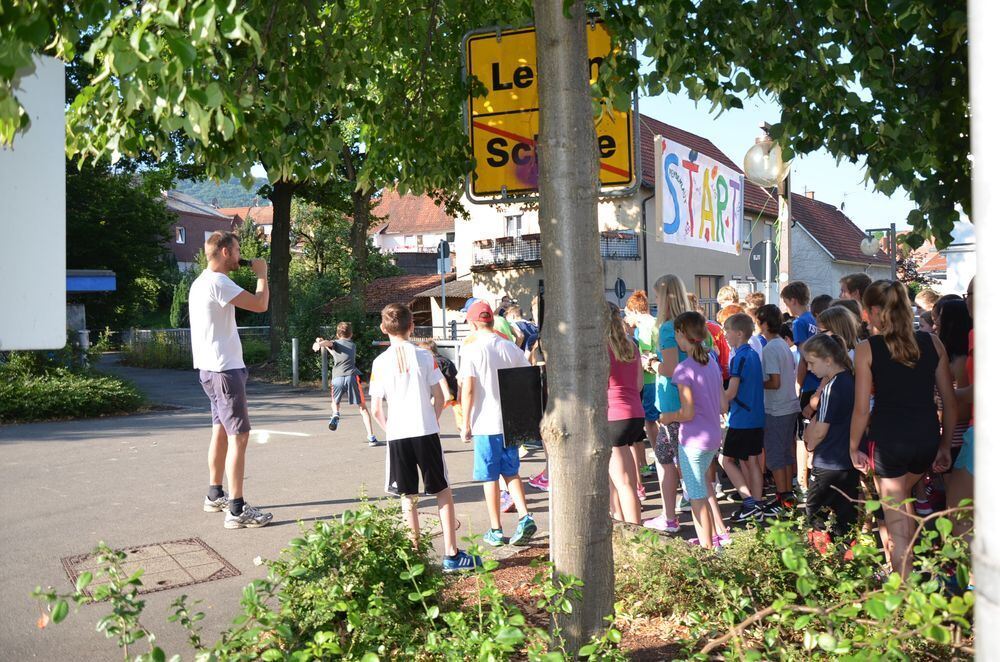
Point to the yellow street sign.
(503, 125)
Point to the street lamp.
(870, 245)
(764, 166)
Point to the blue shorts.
(694, 471)
(649, 402)
(966, 456)
(491, 460)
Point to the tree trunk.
(281, 198)
(359, 241)
(575, 424)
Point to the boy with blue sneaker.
(406, 378)
(745, 438)
(486, 354)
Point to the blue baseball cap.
(468, 304)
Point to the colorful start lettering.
(699, 201)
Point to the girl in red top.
(626, 416)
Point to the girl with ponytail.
(625, 416)
(698, 380)
(905, 438)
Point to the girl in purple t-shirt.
(699, 383)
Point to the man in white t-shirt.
(218, 357)
(481, 359)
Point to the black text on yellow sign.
(503, 125)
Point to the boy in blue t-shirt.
(745, 439)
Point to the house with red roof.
(499, 245)
(409, 227)
(261, 216)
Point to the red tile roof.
(410, 214)
(260, 215)
(935, 263)
(826, 223)
(399, 289)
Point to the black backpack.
(450, 373)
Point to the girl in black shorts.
(626, 416)
(905, 438)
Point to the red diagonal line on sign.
(529, 141)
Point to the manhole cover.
(166, 565)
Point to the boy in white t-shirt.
(481, 359)
(406, 378)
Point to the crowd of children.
(823, 396)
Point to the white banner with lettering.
(699, 201)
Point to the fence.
(181, 338)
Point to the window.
(180, 235)
(420, 241)
(409, 240)
(513, 225)
(707, 288)
(450, 237)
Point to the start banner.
(699, 201)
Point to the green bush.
(60, 393)
(159, 352)
(353, 588)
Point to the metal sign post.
(444, 251)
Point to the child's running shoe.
(334, 422)
(923, 507)
(461, 562)
(661, 523)
(540, 482)
(683, 505)
(526, 529)
(722, 541)
(372, 441)
(648, 470)
(772, 509)
(641, 491)
(494, 538)
(747, 514)
(506, 501)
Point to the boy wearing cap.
(482, 358)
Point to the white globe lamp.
(869, 246)
(763, 164)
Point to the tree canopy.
(882, 82)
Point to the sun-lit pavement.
(136, 480)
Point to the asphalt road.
(140, 479)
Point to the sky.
(734, 132)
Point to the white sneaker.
(215, 505)
(250, 518)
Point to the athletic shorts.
(227, 393)
(492, 459)
(895, 459)
(403, 457)
(823, 501)
(627, 431)
(743, 443)
(649, 402)
(694, 471)
(665, 448)
(779, 440)
(347, 386)
(967, 455)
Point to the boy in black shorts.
(745, 439)
(407, 379)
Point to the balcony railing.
(526, 250)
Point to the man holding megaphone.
(218, 356)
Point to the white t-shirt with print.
(215, 342)
(482, 359)
(404, 375)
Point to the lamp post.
(869, 246)
(764, 166)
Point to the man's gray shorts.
(779, 440)
(227, 391)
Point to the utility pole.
(575, 423)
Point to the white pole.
(984, 51)
(769, 264)
(295, 361)
(444, 306)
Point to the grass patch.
(159, 353)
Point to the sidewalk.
(140, 479)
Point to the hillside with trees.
(230, 193)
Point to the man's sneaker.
(372, 441)
(506, 501)
(526, 529)
(648, 470)
(250, 518)
(747, 514)
(334, 422)
(461, 562)
(661, 523)
(683, 505)
(494, 538)
(216, 505)
(540, 482)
